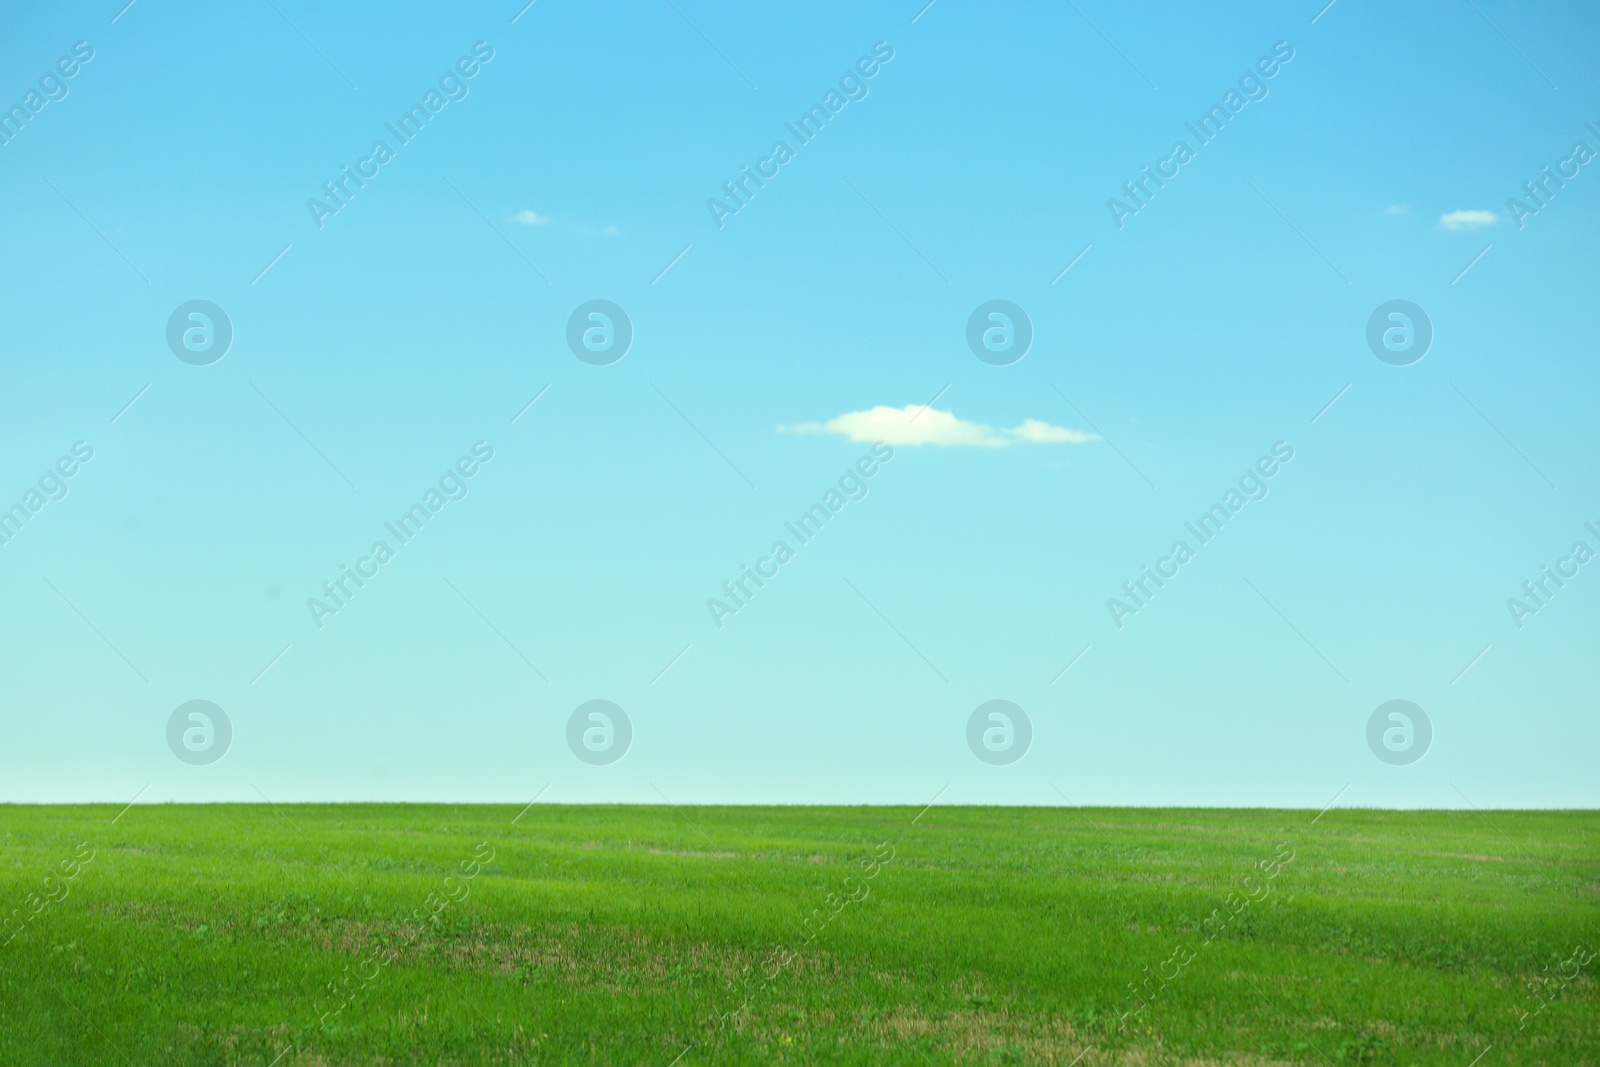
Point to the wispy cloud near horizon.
(917, 424)
(1468, 220)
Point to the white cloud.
(1397, 209)
(1468, 220)
(916, 424)
(531, 218)
(1044, 433)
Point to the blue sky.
(373, 351)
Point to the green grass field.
(439, 934)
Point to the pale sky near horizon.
(989, 519)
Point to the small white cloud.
(911, 425)
(917, 424)
(1468, 220)
(1397, 209)
(611, 231)
(531, 218)
(1044, 433)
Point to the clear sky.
(1211, 328)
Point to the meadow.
(462, 934)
